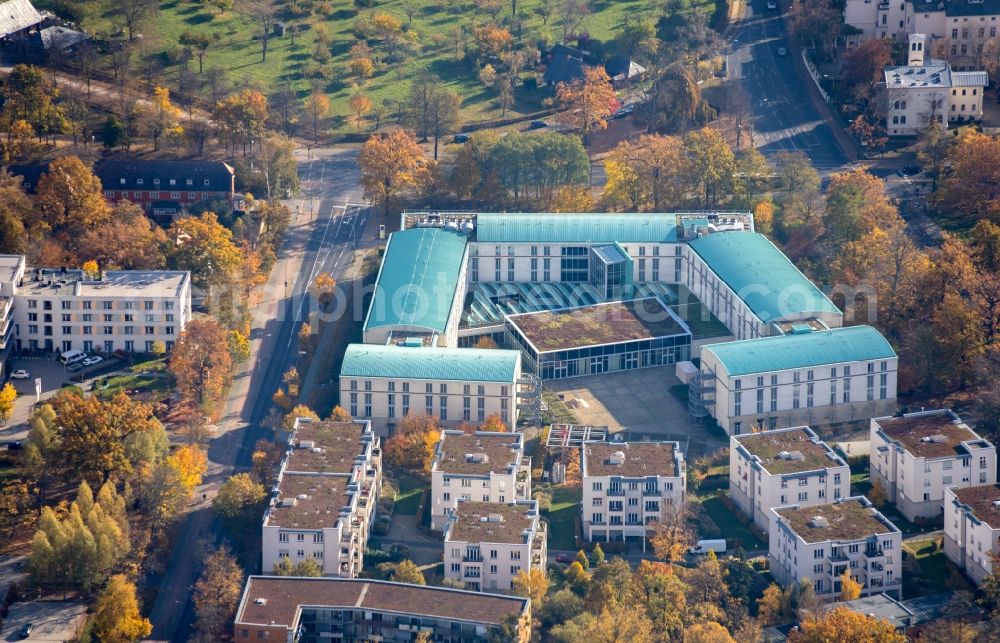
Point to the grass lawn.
(562, 516)
(732, 529)
(145, 378)
(937, 573)
(861, 484)
(237, 49)
(411, 488)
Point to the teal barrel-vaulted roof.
(542, 227)
(785, 352)
(761, 275)
(417, 281)
(430, 363)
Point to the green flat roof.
(784, 352)
(427, 363)
(541, 227)
(417, 281)
(761, 275)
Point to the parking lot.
(52, 621)
(637, 402)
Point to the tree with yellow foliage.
(494, 423)
(845, 626)
(572, 198)
(117, 618)
(163, 117)
(533, 583)
(205, 247)
(339, 414)
(190, 463)
(672, 535)
(317, 107)
(360, 105)
(70, 198)
(391, 163)
(648, 174)
(709, 632)
(588, 101)
(774, 607)
(300, 411)
(763, 217)
(7, 396)
(412, 447)
(850, 589)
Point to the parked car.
(909, 170)
(772, 5)
(73, 368)
(93, 359)
(564, 558)
(538, 125)
(461, 138)
(15, 446)
(20, 374)
(782, 51)
(622, 112)
(26, 630)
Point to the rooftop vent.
(491, 518)
(306, 444)
(287, 502)
(317, 450)
(302, 496)
(790, 455)
(937, 438)
(260, 601)
(478, 458)
(996, 503)
(618, 457)
(819, 521)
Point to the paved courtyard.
(53, 621)
(637, 403)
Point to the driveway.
(638, 403)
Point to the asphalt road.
(329, 222)
(785, 119)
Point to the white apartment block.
(384, 383)
(972, 529)
(927, 91)
(127, 310)
(629, 486)
(819, 543)
(781, 467)
(479, 467)
(487, 544)
(325, 497)
(807, 377)
(11, 274)
(915, 457)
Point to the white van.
(705, 546)
(72, 357)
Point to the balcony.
(838, 557)
(874, 553)
(650, 491)
(472, 573)
(616, 491)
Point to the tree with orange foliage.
(494, 423)
(412, 447)
(69, 197)
(190, 463)
(241, 119)
(391, 163)
(201, 363)
(573, 467)
(845, 626)
(588, 101)
(317, 107)
(360, 105)
(493, 40)
(972, 188)
(672, 535)
(339, 415)
(856, 202)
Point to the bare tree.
(217, 80)
(571, 16)
(86, 60)
(738, 105)
(266, 22)
(135, 13)
(198, 131)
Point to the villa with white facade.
(972, 528)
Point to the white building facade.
(479, 467)
(972, 529)
(781, 467)
(809, 378)
(915, 457)
(118, 310)
(818, 544)
(325, 498)
(487, 544)
(629, 487)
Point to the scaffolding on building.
(574, 435)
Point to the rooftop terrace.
(640, 459)
(491, 522)
(477, 454)
(928, 435)
(847, 519)
(982, 501)
(610, 323)
(276, 600)
(789, 451)
(308, 501)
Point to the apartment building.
(166, 188)
(56, 310)
(479, 467)
(487, 544)
(819, 543)
(807, 377)
(777, 468)
(316, 610)
(325, 497)
(629, 486)
(384, 383)
(972, 529)
(11, 274)
(915, 457)
(926, 91)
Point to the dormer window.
(173, 181)
(190, 181)
(205, 182)
(121, 181)
(138, 181)
(156, 181)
